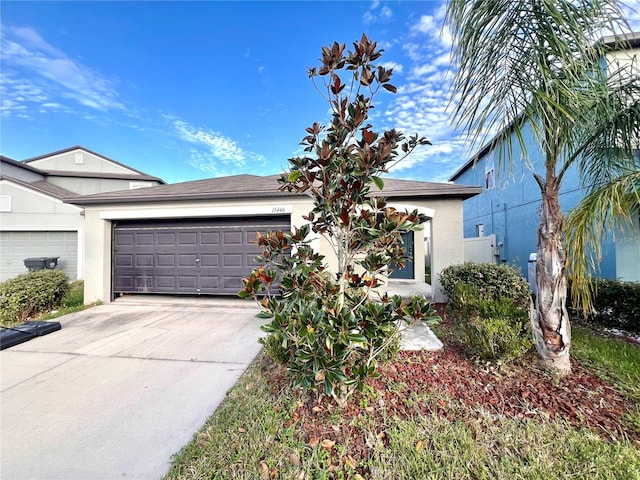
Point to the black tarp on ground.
(25, 332)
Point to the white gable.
(80, 161)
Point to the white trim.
(236, 211)
(41, 194)
(5, 203)
(80, 261)
(41, 228)
(429, 212)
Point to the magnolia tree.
(330, 328)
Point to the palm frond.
(522, 59)
(612, 206)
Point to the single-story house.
(34, 221)
(196, 237)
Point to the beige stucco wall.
(88, 186)
(446, 233)
(447, 240)
(624, 58)
(66, 162)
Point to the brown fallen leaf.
(328, 444)
(419, 445)
(242, 430)
(314, 441)
(294, 458)
(274, 473)
(336, 428)
(316, 409)
(264, 471)
(349, 460)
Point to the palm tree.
(530, 69)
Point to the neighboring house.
(506, 213)
(197, 237)
(34, 221)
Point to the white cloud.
(214, 153)
(374, 14)
(397, 67)
(31, 60)
(631, 11)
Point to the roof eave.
(87, 200)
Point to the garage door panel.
(210, 283)
(166, 260)
(232, 283)
(187, 238)
(124, 260)
(166, 281)
(190, 260)
(195, 256)
(187, 281)
(210, 238)
(232, 260)
(210, 260)
(15, 246)
(232, 238)
(144, 238)
(124, 282)
(145, 260)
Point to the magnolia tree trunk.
(549, 318)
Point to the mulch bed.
(452, 385)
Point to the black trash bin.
(40, 263)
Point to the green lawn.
(73, 302)
(257, 434)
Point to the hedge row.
(31, 294)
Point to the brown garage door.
(196, 256)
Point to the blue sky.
(191, 90)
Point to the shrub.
(488, 282)
(31, 294)
(491, 304)
(617, 304)
(498, 331)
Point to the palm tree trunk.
(550, 319)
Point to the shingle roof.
(42, 187)
(22, 165)
(253, 186)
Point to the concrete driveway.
(121, 388)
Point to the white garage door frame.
(168, 213)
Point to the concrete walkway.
(121, 388)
